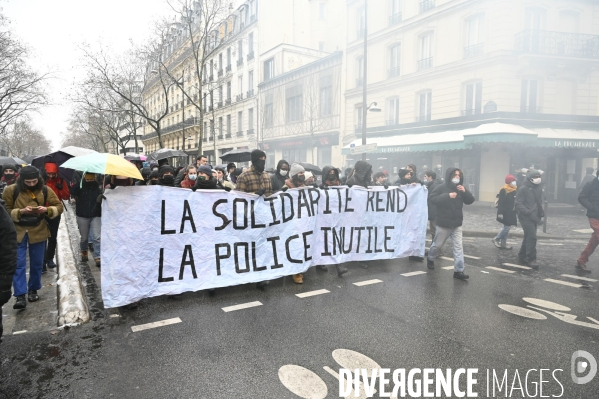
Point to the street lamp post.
(365, 77)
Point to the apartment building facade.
(487, 86)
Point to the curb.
(72, 308)
(540, 235)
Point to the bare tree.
(21, 89)
(22, 139)
(80, 134)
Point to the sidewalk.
(564, 221)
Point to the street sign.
(363, 149)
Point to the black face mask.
(89, 183)
(9, 177)
(259, 165)
(121, 182)
(168, 180)
(331, 177)
(153, 182)
(300, 179)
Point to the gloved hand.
(100, 198)
(386, 186)
(284, 189)
(315, 185)
(499, 216)
(325, 187)
(350, 185)
(5, 296)
(227, 189)
(260, 193)
(59, 186)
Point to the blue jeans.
(502, 235)
(36, 261)
(442, 234)
(90, 229)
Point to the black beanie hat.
(231, 165)
(257, 154)
(154, 174)
(29, 173)
(9, 166)
(164, 169)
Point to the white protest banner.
(164, 241)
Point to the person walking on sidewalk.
(529, 206)
(589, 198)
(586, 179)
(29, 202)
(8, 257)
(449, 199)
(88, 211)
(61, 189)
(506, 213)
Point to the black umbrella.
(237, 156)
(164, 153)
(59, 157)
(11, 161)
(30, 158)
(311, 168)
(133, 158)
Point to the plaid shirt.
(251, 181)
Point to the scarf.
(509, 188)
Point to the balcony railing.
(558, 43)
(250, 132)
(228, 101)
(205, 139)
(422, 118)
(250, 93)
(474, 50)
(220, 136)
(359, 82)
(426, 5)
(395, 19)
(531, 110)
(220, 73)
(211, 78)
(240, 62)
(239, 97)
(393, 72)
(392, 122)
(228, 135)
(240, 133)
(468, 112)
(425, 63)
(250, 55)
(228, 69)
(211, 108)
(219, 104)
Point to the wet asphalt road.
(428, 320)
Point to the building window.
(293, 104)
(426, 52)
(326, 95)
(529, 96)
(358, 117)
(424, 106)
(251, 46)
(474, 101)
(359, 71)
(320, 46)
(228, 132)
(292, 156)
(251, 119)
(229, 91)
(251, 80)
(240, 122)
(394, 60)
(269, 69)
(240, 84)
(474, 37)
(396, 14)
(228, 59)
(239, 52)
(393, 111)
(220, 127)
(268, 111)
(426, 5)
(321, 10)
(360, 22)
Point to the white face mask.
(536, 180)
(514, 184)
(192, 177)
(283, 173)
(455, 180)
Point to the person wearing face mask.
(145, 173)
(153, 181)
(9, 176)
(529, 206)
(29, 203)
(405, 177)
(88, 211)
(505, 211)
(205, 180)
(379, 179)
(280, 175)
(61, 189)
(413, 171)
(191, 175)
(449, 199)
(166, 176)
(361, 175)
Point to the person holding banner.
(166, 176)
(255, 181)
(205, 180)
(280, 175)
(361, 176)
(190, 174)
(449, 199)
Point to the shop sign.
(575, 144)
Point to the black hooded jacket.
(529, 200)
(589, 198)
(361, 175)
(325, 172)
(448, 211)
(277, 180)
(432, 209)
(8, 249)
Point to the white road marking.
(549, 244)
(446, 258)
(413, 274)
(355, 384)
(592, 280)
(517, 266)
(569, 284)
(242, 306)
(482, 271)
(19, 332)
(547, 304)
(303, 382)
(472, 257)
(448, 267)
(312, 293)
(115, 315)
(517, 310)
(155, 324)
(500, 269)
(584, 231)
(593, 320)
(368, 282)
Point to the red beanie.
(509, 179)
(51, 167)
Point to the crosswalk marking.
(550, 244)
(448, 267)
(155, 324)
(500, 269)
(517, 266)
(446, 258)
(312, 293)
(367, 282)
(472, 257)
(592, 280)
(242, 306)
(569, 284)
(413, 274)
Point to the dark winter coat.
(361, 176)
(278, 181)
(86, 200)
(505, 207)
(448, 212)
(432, 210)
(8, 249)
(529, 201)
(210, 184)
(589, 198)
(327, 183)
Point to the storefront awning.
(450, 140)
(567, 138)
